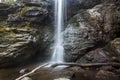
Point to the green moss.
(23, 10)
(11, 35)
(74, 21)
(8, 1)
(2, 28)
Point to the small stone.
(23, 71)
(26, 78)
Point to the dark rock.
(75, 5)
(107, 68)
(96, 56)
(30, 14)
(106, 75)
(15, 19)
(35, 15)
(6, 9)
(3, 6)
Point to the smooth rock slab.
(26, 78)
(62, 79)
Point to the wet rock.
(96, 26)
(23, 71)
(96, 56)
(106, 75)
(78, 38)
(26, 78)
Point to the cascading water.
(59, 23)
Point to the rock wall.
(26, 30)
(89, 32)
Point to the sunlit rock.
(26, 78)
(62, 79)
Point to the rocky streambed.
(61, 73)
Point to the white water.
(58, 52)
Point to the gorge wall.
(91, 33)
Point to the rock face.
(96, 56)
(30, 12)
(103, 18)
(89, 35)
(78, 38)
(75, 5)
(91, 29)
(21, 44)
(6, 9)
(15, 46)
(24, 38)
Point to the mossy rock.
(73, 21)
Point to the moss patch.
(73, 21)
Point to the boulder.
(96, 56)
(105, 19)
(114, 48)
(78, 38)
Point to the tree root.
(87, 64)
(70, 64)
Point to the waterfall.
(58, 53)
